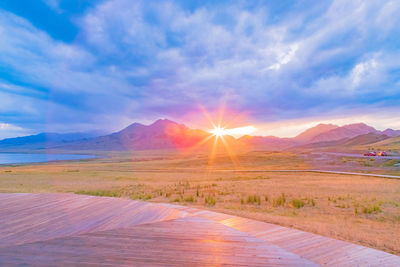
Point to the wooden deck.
(67, 229)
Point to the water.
(12, 158)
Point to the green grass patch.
(371, 209)
(296, 203)
(177, 199)
(279, 201)
(254, 199)
(99, 193)
(210, 201)
(391, 163)
(311, 202)
(243, 178)
(189, 199)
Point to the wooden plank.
(318, 249)
(188, 241)
(49, 229)
(54, 216)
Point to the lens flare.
(219, 131)
(220, 141)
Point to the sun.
(218, 131)
(224, 135)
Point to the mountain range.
(162, 134)
(166, 134)
(323, 136)
(44, 140)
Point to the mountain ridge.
(346, 131)
(167, 134)
(312, 132)
(44, 140)
(161, 134)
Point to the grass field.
(362, 210)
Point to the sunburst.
(220, 133)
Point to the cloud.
(284, 57)
(54, 4)
(139, 60)
(8, 130)
(362, 70)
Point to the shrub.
(297, 203)
(189, 199)
(372, 209)
(261, 178)
(100, 193)
(145, 197)
(210, 200)
(266, 198)
(254, 199)
(279, 201)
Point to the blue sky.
(80, 65)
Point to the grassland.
(391, 145)
(363, 210)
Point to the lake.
(12, 158)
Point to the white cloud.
(284, 57)
(125, 65)
(375, 116)
(361, 70)
(8, 130)
(54, 4)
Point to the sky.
(283, 66)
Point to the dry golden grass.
(363, 210)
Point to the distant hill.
(364, 139)
(392, 143)
(327, 145)
(267, 142)
(346, 131)
(391, 132)
(43, 140)
(309, 134)
(344, 144)
(166, 134)
(162, 134)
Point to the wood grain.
(68, 230)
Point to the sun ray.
(196, 146)
(219, 131)
(231, 154)
(212, 153)
(207, 115)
